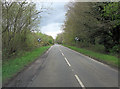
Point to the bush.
(115, 49)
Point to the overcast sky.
(52, 19)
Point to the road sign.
(39, 40)
(76, 38)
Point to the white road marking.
(79, 81)
(97, 61)
(72, 70)
(34, 77)
(92, 59)
(81, 84)
(60, 51)
(49, 49)
(63, 54)
(67, 62)
(88, 57)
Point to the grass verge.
(108, 59)
(13, 66)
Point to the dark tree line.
(109, 17)
(94, 24)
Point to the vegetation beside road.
(22, 41)
(109, 59)
(93, 28)
(13, 66)
(93, 24)
(20, 28)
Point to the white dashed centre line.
(62, 54)
(79, 81)
(60, 51)
(67, 62)
(81, 84)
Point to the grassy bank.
(13, 66)
(112, 60)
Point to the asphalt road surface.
(63, 67)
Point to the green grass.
(109, 59)
(13, 66)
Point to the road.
(63, 67)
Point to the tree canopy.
(19, 28)
(93, 23)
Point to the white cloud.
(52, 29)
(51, 23)
(56, 13)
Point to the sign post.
(76, 39)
